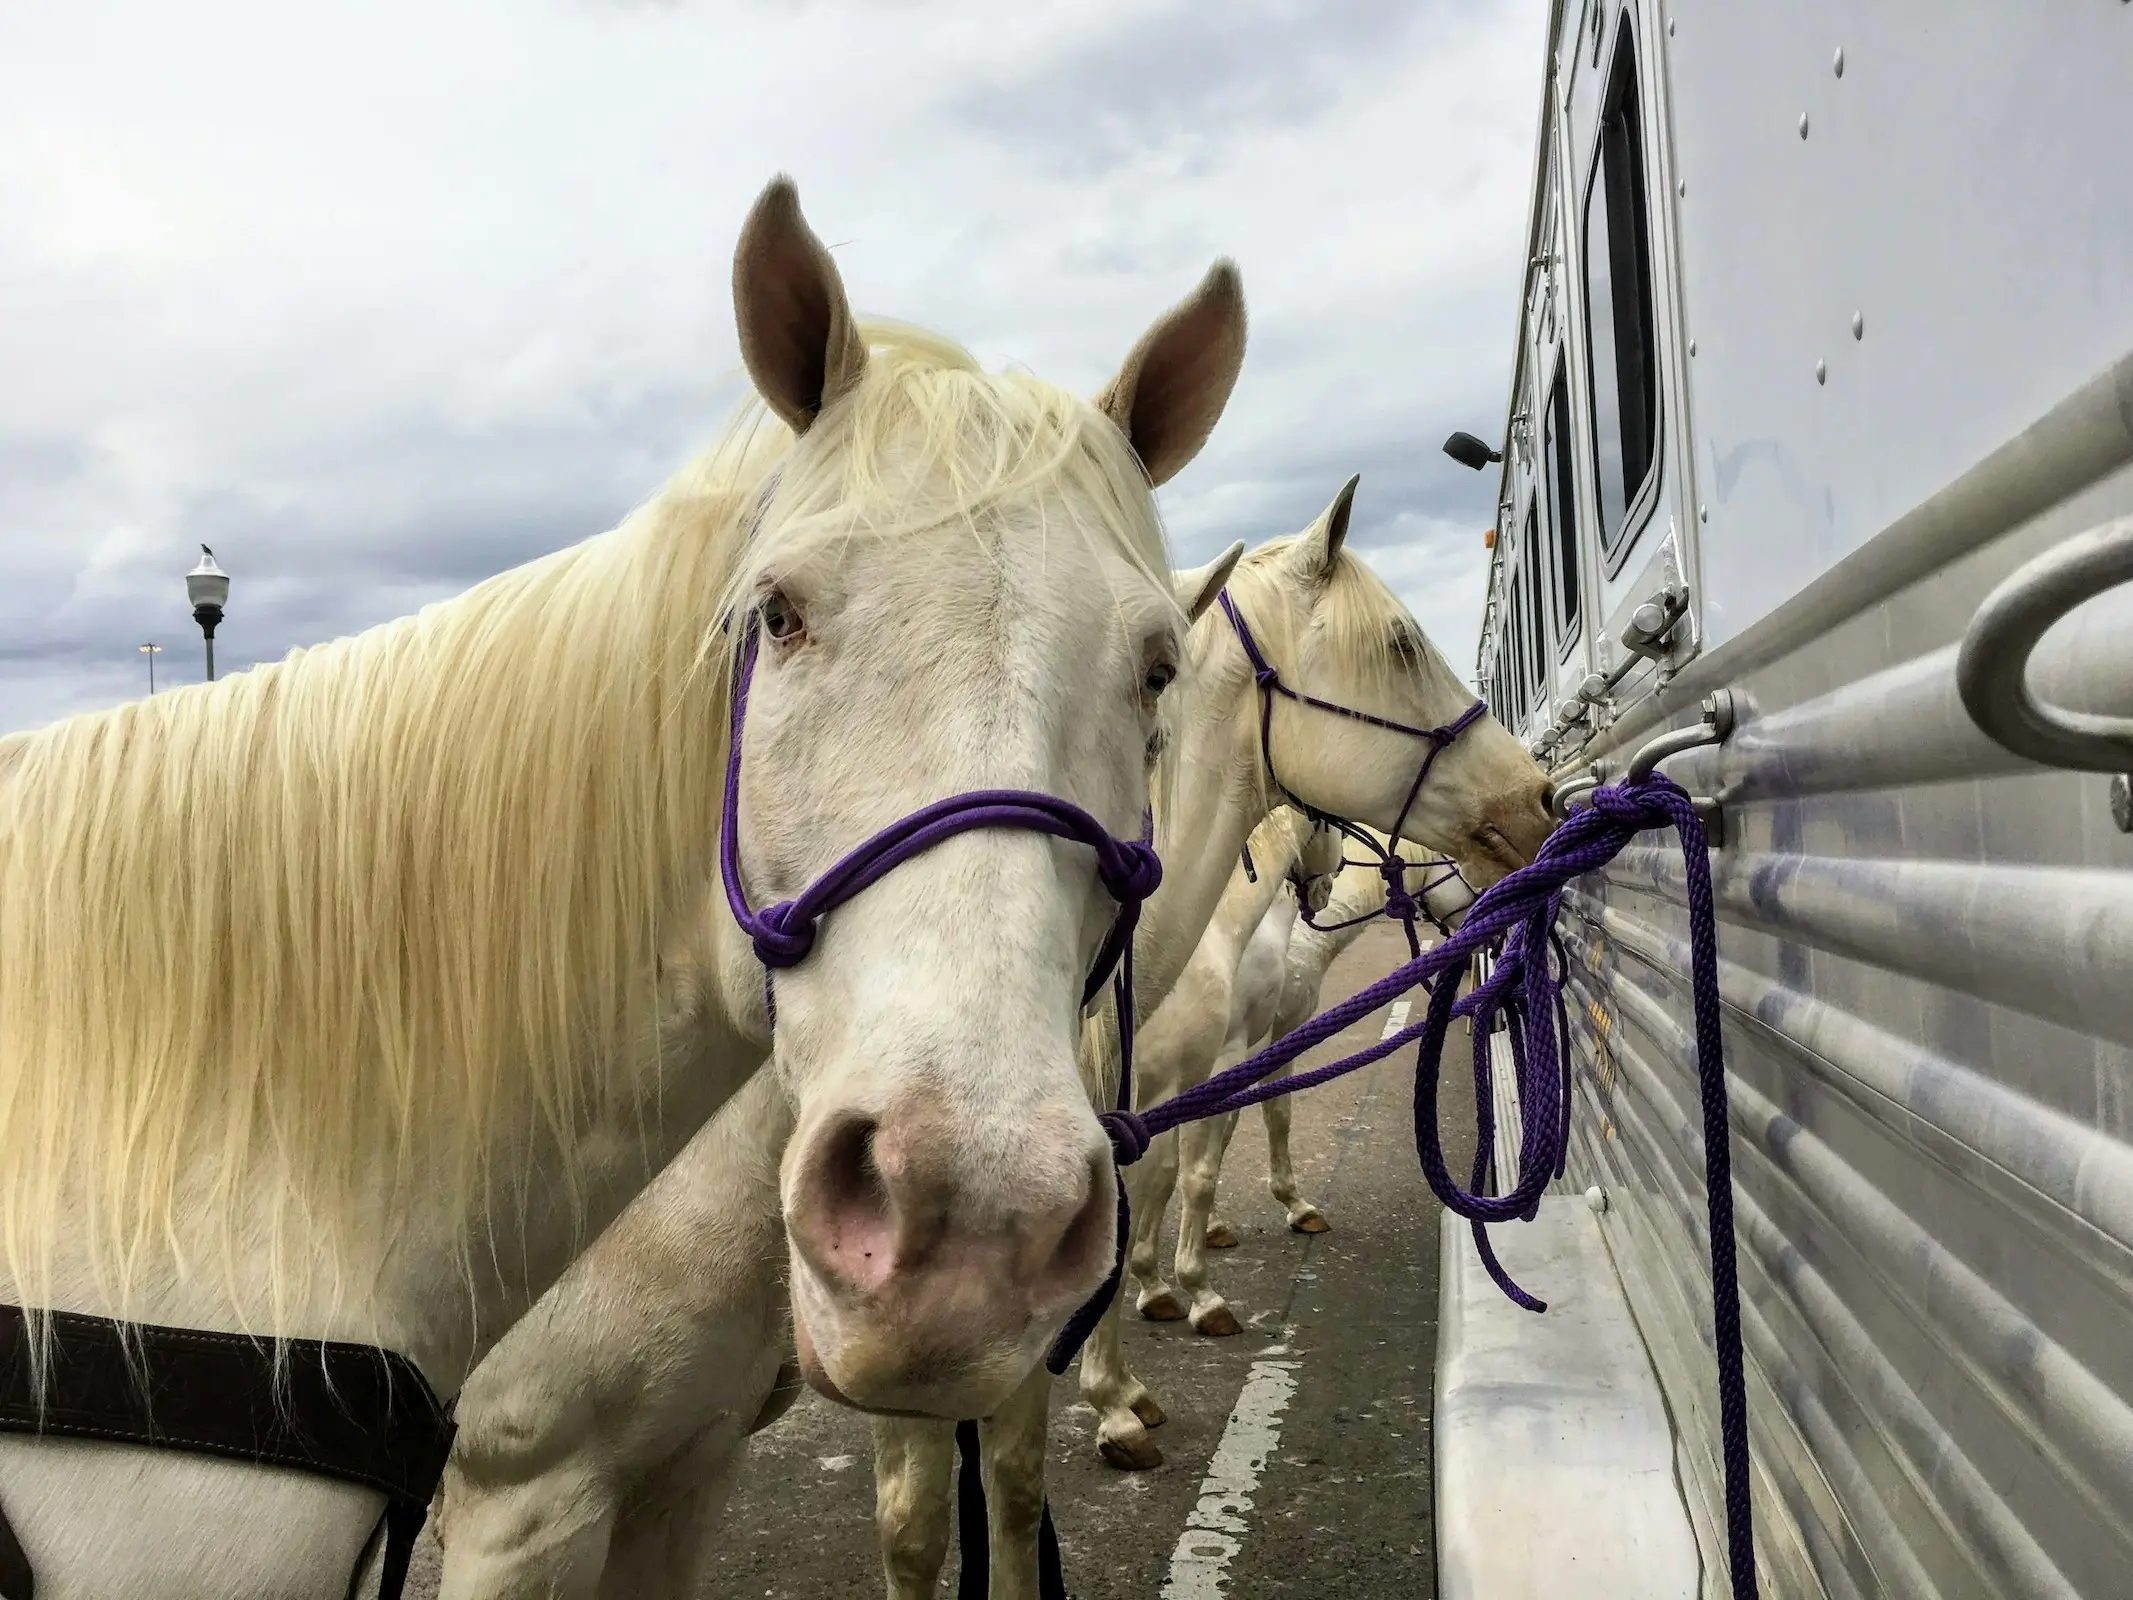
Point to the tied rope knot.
(782, 934)
(1399, 904)
(1130, 1137)
(1131, 871)
(1634, 809)
(1266, 677)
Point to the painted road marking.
(1199, 1566)
(1398, 1019)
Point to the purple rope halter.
(784, 933)
(1401, 904)
(1268, 678)
(1404, 906)
(1517, 916)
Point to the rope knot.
(1266, 678)
(1640, 803)
(1133, 874)
(1129, 1135)
(783, 934)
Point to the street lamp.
(208, 587)
(150, 651)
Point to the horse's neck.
(455, 1281)
(1220, 796)
(707, 1048)
(1357, 893)
(1249, 902)
(1270, 940)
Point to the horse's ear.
(798, 336)
(1170, 393)
(1196, 587)
(1319, 546)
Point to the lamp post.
(150, 651)
(208, 587)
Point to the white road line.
(1398, 1019)
(1214, 1531)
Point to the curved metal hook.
(1992, 667)
(1716, 724)
(1562, 794)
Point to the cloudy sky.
(379, 298)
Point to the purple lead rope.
(1517, 915)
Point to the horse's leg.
(914, 1502)
(1125, 1410)
(1303, 1216)
(1202, 1145)
(535, 1516)
(664, 1538)
(1012, 1442)
(1219, 1234)
(1149, 1182)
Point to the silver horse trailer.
(1822, 420)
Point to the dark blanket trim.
(352, 1412)
(348, 1411)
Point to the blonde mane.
(338, 931)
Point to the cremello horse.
(343, 998)
(1276, 990)
(540, 1477)
(1335, 632)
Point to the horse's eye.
(781, 618)
(1160, 677)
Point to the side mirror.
(1469, 451)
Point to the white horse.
(1349, 639)
(1276, 990)
(344, 998)
(1333, 631)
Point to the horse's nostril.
(1088, 1240)
(1548, 798)
(844, 1218)
(851, 1178)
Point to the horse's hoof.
(1162, 1306)
(1130, 1455)
(1151, 1414)
(1217, 1322)
(1221, 1236)
(1313, 1221)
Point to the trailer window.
(1624, 378)
(1507, 646)
(1536, 612)
(1519, 671)
(1562, 505)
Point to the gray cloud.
(449, 298)
(1174, 86)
